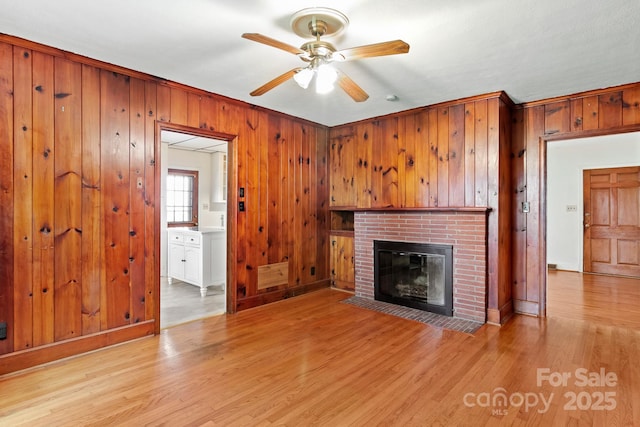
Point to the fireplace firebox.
(417, 275)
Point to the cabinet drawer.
(192, 239)
(176, 237)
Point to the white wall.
(565, 162)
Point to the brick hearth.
(466, 231)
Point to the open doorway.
(193, 225)
(566, 163)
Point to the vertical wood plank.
(389, 162)
(493, 228)
(208, 113)
(43, 201)
(377, 166)
(193, 110)
(469, 154)
(91, 201)
(505, 219)
(151, 214)
(456, 166)
(422, 159)
(407, 180)
(610, 110)
(115, 196)
(241, 224)
(631, 106)
(481, 131)
(443, 157)
(6, 196)
(363, 138)
(179, 106)
(590, 116)
(273, 180)
(519, 256)
(557, 117)
(434, 162)
(576, 114)
(263, 188)
(533, 127)
(286, 137)
(292, 170)
(308, 208)
(295, 279)
(68, 198)
(252, 197)
(163, 107)
(22, 199)
(321, 204)
(137, 199)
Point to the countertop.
(199, 229)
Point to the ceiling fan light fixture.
(303, 77)
(325, 79)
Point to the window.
(182, 198)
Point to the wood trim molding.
(590, 133)
(543, 102)
(491, 95)
(409, 210)
(23, 359)
(281, 294)
(53, 51)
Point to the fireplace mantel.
(471, 209)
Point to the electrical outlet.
(313, 271)
(572, 208)
(3, 330)
(525, 207)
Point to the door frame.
(232, 179)
(543, 140)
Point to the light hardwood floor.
(311, 360)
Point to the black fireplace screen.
(415, 275)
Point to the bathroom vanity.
(197, 256)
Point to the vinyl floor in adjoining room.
(181, 302)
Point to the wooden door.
(612, 221)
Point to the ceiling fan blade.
(275, 82)
(351, 88)
(378, 49)
(273, 43)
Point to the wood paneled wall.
(593, 113)
(79, 183)
(450, 155)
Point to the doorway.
(193, 195)
(566, 161)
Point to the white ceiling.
(532, 49)
(183, 141)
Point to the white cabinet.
(197, 257)
(218, 177)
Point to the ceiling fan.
(319, 54)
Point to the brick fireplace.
(465, 230)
